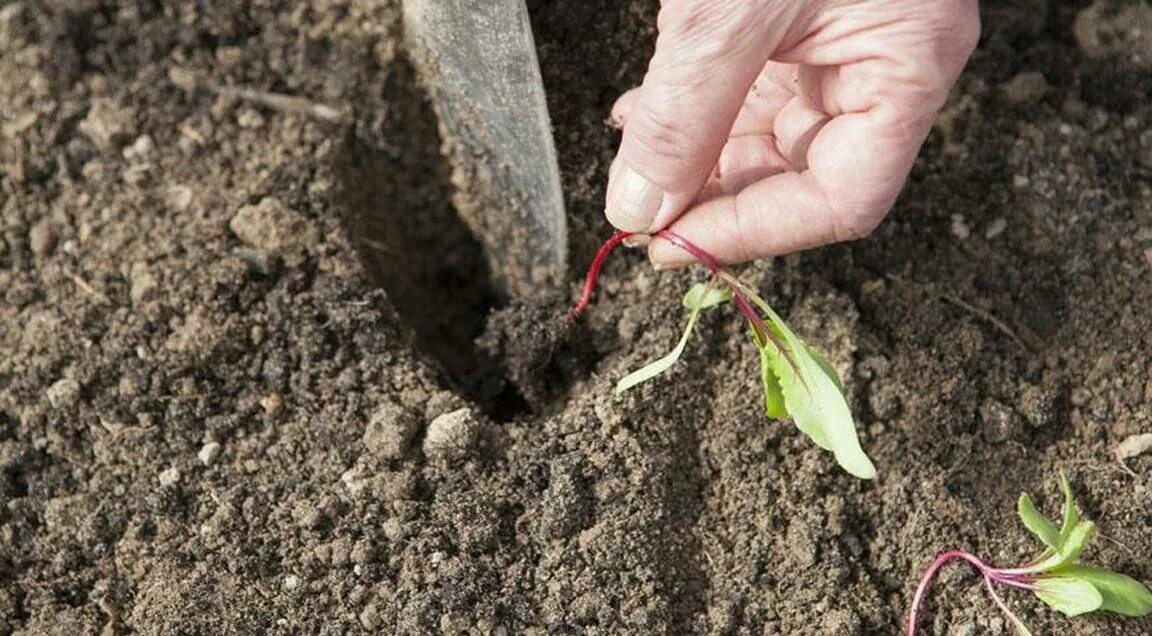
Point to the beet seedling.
(1056, 577)
(797, 380)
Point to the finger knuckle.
(659, 133)
(708, 30)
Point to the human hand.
(769, 126)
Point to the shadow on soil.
(395, 197)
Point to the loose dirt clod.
(108, 124)
(271, 225)
(390, 431)
(452, 435)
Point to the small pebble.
(996, 228)
(967, 628)
(250, 119)
(142, 284)
(185, 79)
(370, 617)
(1025, 87)
(229, 56)
(291, 582)
(1134, 445)
(352, 481)
(1146, 148)
(137, 174)
(42, 238)
(272, 403)
(451, 436)
(140, 149)
(208, 453)
(178, 197)
(960, 227)
(64, 393)
(169, 477)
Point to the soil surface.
(241, 390)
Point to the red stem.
(705, 259)
(594, 273)
(714, 266)
(930, 573)
(991, 575)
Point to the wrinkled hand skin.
(764, 127)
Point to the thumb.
(708, 53)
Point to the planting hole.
(396, 198)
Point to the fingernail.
(632, 201)
(638, 240)
(664, 266)
(664, 256)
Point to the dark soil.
(542, 353)
(240, 390)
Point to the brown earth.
(236, 338)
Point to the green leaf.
(1055, 555)
(705, 296)
(774, 406)
(825, 365)
(1077, 540)
(1122, 594)
(1068, 595)
(657, 367)
(1067, 554)
(1037, 523)
(812, 395)
(1071, 518)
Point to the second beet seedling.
(1056, 577)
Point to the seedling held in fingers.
(797, 380)
(1056, 576)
